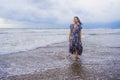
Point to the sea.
(16, 40)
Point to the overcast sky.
(37, 13)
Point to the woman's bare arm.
(70, 35)
(80, 35)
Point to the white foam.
(15, 40)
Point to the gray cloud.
(59, 11)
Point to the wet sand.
(98, 62)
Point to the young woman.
(75, 42)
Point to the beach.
(100, 59)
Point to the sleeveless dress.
(75, 41)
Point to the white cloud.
(90, 10)
(60, 11)
(9, 24)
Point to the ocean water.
(15, 40)
(101, 53)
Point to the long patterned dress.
(75, 41)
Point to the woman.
(75, 44)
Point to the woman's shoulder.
(80, 26)
(71, 26)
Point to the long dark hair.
(78, 20)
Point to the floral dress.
(75, 41)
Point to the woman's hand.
(69, 39)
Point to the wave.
(23, 40)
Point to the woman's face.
(75, 20)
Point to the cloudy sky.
(57, 13)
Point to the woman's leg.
(70, 49)
(69, 55)
(76, 54)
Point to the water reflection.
(76, 70)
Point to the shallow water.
(16, 40)
(100, 60)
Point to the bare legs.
(76, 54)
(69, 55)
